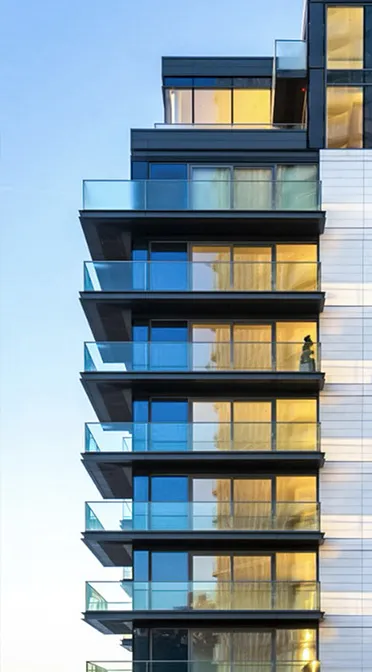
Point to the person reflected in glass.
(307, 361)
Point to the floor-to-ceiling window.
(345, 38)
(213, 101)
(205, 425)
(344, 117)
(345, 96)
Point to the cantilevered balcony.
(187, 289)
(116, 516)
(191, 367)
(201, 356)
(113, 209)
(112, 607)
(115, 451)
(114, 528)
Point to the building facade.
(230, 299)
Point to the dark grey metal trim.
(174, 66)
(219, 140)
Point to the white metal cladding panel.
(345, 648)
(345, 562)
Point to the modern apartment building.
(230, 297)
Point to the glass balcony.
(158, 356)
(202, 595)
(200, 276)
(199, 195)
(201, 666)
(202, 437)
(290, 55)
(112, 516)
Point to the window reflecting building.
(229, 297)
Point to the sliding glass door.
(252, 189)
(210, 188)
(296, 187)
(226, 188)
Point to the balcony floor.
(108, 321)
(114, 549)
(122, 622)
(106, 390)
(106, 232)
(112, 472)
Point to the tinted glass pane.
(345, 38)
(211, 411)
(139, 255)
(141, 488)
(252, 188)
(295, 187)
(212, 81)
(210, 188)
(141, 649)
(252, 568)
(252, 106)
(211, 568)
(212, 106)
(168, 252)
(255, 646)
(211, 489)
(169, 645)
(295, 645)
(344, 117)
(140, 332)
(252, 82)
(167, 276)
(168, 333)
(178, 81)
(168, 171)
(296, 566)
(169, 566)
(169, 411)
(178, 106)
(140, 411)
(169, 436)
(169, 489)
(169, 508)
(166, 194)
(296, 489)
(141, 565)
(139, 170)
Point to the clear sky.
(75, 76)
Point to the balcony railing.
(196, 195)
(227, 127)
(208, 356)
(201, 276)
(127, 515)
(201, 666)
(201, 437)
(290, 55)
(184, 596)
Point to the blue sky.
(75, 76)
